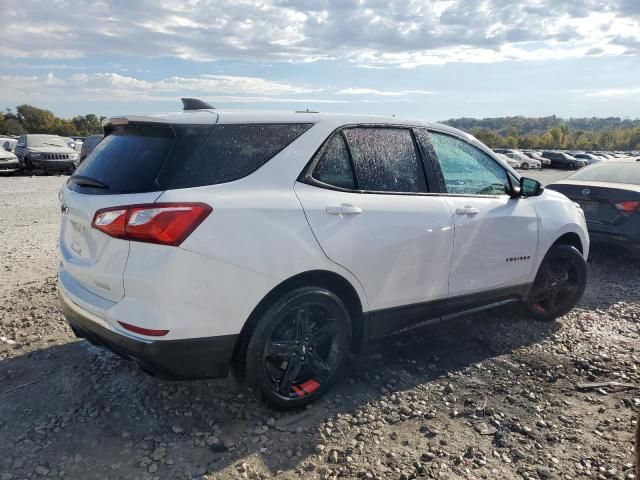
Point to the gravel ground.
(492, 395)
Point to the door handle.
(468, 211)
(344, 209)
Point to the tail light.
(628, 207)
(161, 223)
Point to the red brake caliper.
(305, 388)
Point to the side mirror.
(530, 187)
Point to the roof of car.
(273, 116)
(215, 116)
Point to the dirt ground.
(492, 395)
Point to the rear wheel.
(298, 348)
(559, 284)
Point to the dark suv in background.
(564, 160)
(89, 144)
(48, 152)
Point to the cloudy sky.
(430, 60)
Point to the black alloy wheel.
(559, 283)
(298, 348)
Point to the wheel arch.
(571, 239)
(332, 281)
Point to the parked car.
(588, 157)
(564, 160)
(278, 242)
(609, 194)
(48, 152)
(509, 161)
(88, 145)
(526, 162)
(537, 156)
(8, 161)
(8, 144)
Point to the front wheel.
(572, 166)
(559, 284)
(298, 348)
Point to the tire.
(571, 166)
(298, 348)
(525, 166)
(559, 284)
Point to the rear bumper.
(631, 244)
(183, 359)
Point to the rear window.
(610, 172)
(127, 161)
(145, 158)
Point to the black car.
(609, 194)
(563, 160)
(89, 144)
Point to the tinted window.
(230, 152)
(128, 160)
(610, 172)
(334, 167)
(386, 160)
(146, 158)
(466, 169)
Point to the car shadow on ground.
(80, 409)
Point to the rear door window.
(386, 160)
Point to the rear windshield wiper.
(83, 181)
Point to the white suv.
(278, 242)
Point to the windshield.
(610, 172)
(47, 142)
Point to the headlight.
(73, 156)
(35, 155)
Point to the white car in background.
(8, 144)
(510, 161)
(526, 162)
(278, 242)
(8, 161)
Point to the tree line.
(552, 132)
(611, 133)
(30, 119)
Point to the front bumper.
(10, 165)
(630, 244)
(208, 357)
(58, 165)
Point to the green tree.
(36, 120)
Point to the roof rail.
(195, 104)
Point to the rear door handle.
(344, 209)
(469, 211)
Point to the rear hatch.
(122, 170)
(604, 204)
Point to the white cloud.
(405, 33)
(382, 93)
(116, 87)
